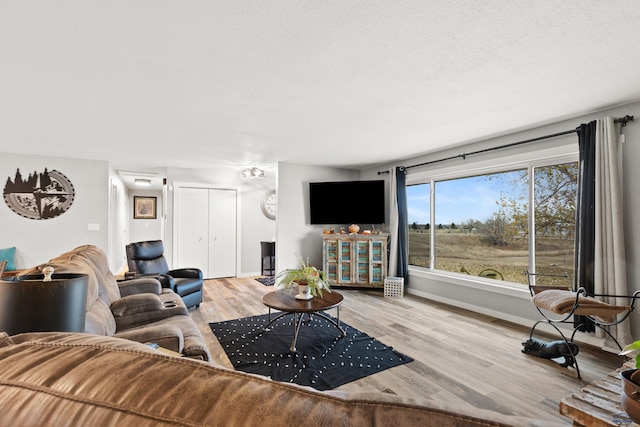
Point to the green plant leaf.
(305, 273)
(634, 346)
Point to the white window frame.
(564, 151)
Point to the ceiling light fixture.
(142, 182)
(252, 172)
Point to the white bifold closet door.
(222, 233)
(206, 230)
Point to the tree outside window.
(483, 223)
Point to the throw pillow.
(8, 254)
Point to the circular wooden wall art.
(43, 195)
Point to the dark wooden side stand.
(598, 404)
(268, 258)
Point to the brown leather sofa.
(73, 379)
(138, 309)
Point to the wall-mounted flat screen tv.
(347, 202)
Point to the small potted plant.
(630, 395)
(308, 280)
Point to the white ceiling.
(186, 83)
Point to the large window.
(555, 195)
(482, 225)
(418, 203)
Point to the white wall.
(515, 305)
(145, 229)
(295, 236)
(37, 241)
(256, 227)
(118, 223)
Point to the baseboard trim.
(476, 309)
(580, 337)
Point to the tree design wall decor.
(43, 195)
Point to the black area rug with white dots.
(323, 360)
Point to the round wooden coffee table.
(288, 304)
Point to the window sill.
(475, 282)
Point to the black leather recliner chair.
(147, 258)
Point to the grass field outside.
(463, 252)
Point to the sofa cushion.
(96, 259)
(143, 309)
(136, 304)
(100, 320)
(139, 286)
(167, 336)
(147, 257)
(194, 344)
(8, 255)
(185, 286)
(5, 340)
(62, 379)
(147, 250)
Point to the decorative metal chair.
(558, 304)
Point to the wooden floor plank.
(459, 356)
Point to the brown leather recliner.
(139, 309)
(147, 258)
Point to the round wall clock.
(269, 204)
(42, 195)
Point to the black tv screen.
(347, 202)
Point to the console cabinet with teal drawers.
(355, 259)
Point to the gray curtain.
(609, 267)
(600, 253)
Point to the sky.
(460, 200)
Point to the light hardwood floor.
(460, 356)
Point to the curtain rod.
(624, 120)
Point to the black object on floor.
(267, 281)
(268, 258)
(323, 361)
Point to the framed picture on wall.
(144, 207)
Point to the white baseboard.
(250, 274)
(498, 315)
(580, 337)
